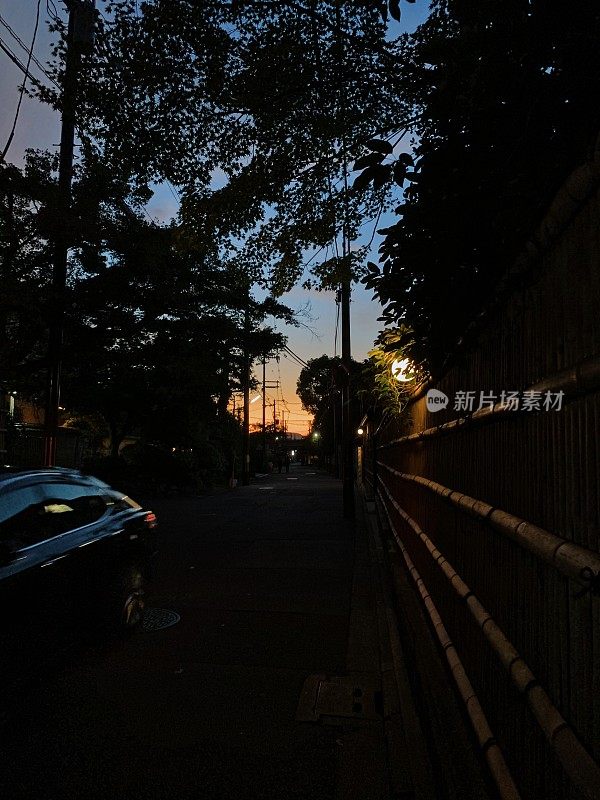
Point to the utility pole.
(80, 37)
(347, 438)
(246, 386)
(334, 414)
(264, 408)
(345, 292)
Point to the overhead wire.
(279, 389)
(293, 360)
(25, 69)
(22, 44)
(379, 213)
(174, 192)
(19, 64)
(301, 360)
(52, 11)
(22, 90)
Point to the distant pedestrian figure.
(287, 462)
(279, 462)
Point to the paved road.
(262, 579)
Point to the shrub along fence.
(497, 509)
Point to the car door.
(51, 555)
(111, 555)
(105, 542)
(79, 514)
(32, 576)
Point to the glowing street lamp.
(360, 431)
(403, 370)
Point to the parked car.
(73, 552)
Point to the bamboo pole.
(490, 748)
(580, 767)
(576, 562)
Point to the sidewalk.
(269, 686)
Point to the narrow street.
(262, 580)
(274, 593)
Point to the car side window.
(33, 514)
(70, 506)
(19, 510)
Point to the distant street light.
(360, 431)
(316, 435)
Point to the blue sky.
(39, 126)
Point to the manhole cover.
(157, 618)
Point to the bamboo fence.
(499, 510)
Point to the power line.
(301, 360)
(22, 91)
(22, 44)
(293, 360)
(18, 63)
(173, 191)
(291, 357)
(380, 212)
(52, 11)
(314, 255)
(298, 362)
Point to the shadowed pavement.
(284, 677)
(262, 579)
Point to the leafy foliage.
(255, 110)
(319, 388)
(317, 382)
(384, 392)
(155, 330)
(24, 262)
(503, 98)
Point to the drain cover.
(331, 698)
(157, 618)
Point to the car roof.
(10, 477)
